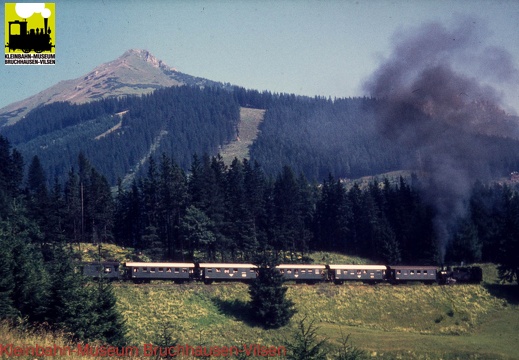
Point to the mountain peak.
(147, 57)
(135, 72)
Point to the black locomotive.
(27, 40)
(299, 273)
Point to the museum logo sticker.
(30, 34)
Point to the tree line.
(39, 283)
(215, 212)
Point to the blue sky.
(326, 48)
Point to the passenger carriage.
(302, 272)
(414, 273)
(227, 272)
(102, 269)
(146, 271)
(365, 273)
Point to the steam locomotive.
(208, 273)
(27, 40)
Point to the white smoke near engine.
(26, 10)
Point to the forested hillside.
(319, 136)
(314, 136)
(177, 120)
(346, 137)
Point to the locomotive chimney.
(45, 22)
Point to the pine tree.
(288, 215)
(165, 338)
(198, 231)
(71, 306)
(127, 216)
(304, 344)
(30, 283)
(207, 187)
(99, 208)
(38, 197)
(110, 327)
(239, 221)
(150, 211)
(347, 351)
(7, 308)
(172, 203)
(11, 175)
(269, 305)
(332, 216)
(55, 227)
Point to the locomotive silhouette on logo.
(20, 38)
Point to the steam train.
(208, 273)
(28, 40)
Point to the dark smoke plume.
(439, 104)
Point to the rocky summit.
(133, 73)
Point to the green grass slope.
(388, 322)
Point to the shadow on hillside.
(507, 292)
(237, 309)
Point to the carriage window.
(359, 272)
(226, 271)
(365, 272)
(177, 270)
(152, 270)
(168, 270)
(289, 271)
(135, 269)
(418, 272)
(317, 271)
(412, 272)
(218, 270)
(161, 269)
(296, 271)
(235, 271)
(184, 270)
(303, 271)
(251, 270)
(107, 270)
(338, 272)
(398, 272)
(209, 270)
(144, 269)
(282, 271)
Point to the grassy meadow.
(386, 322)
(400, 322)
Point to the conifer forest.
(186, 204)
